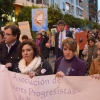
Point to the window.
(94, 2)
(72, 10)
(38, 1)
(52, 1)
(79, 12)
(72, 1)
(33, 1)
(77, 2)
(67, 7)
(63, 4)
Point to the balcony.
(80, 0)
(92, 10)
(23, 3)
(92, 18)
(94, 5)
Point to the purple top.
(77, 67)
(64, 66)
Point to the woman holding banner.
(69, 64)
(31, 62)
(95, 65)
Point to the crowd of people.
(31, 57)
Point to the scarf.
(38, 42)
(35, 63)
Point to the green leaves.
(54, 14)
(6, 7)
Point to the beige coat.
(95, 67)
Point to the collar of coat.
(35, 63)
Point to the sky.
(98, 4)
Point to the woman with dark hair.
(98, 35)
(41, 40)
(90, 53)
(69, 64)
(89, 34)
(31, 61)
(95, 65)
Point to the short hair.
(24, 37)
(2, 33)
(15, 30)
(61, 22)
(70, 43)
(91, 39)
(89, 33)
(32, 44)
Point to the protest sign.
(25, 28)
(81, 39)
(39, 19)
(14, 86)
(53, 30)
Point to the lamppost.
(13, 15)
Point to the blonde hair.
(70, 43)
(36, 15)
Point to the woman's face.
(91, 43)
(27, 53)
(98, 47)
(89, 34)
(68, 54)
(39, 36)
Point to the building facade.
(84, 4)
(84, 9)
(99, 17)
(72, 7)
(90, 11)
(93, 10)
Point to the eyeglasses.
(7, 34)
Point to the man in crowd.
(60, 36)
(1, 39)
(8, 53)
(1, 36)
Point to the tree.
(25, 14)
(54, 15)
(6, 8)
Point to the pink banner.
(14, 86)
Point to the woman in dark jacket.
(41, 40)
(31, 63)
(69, 64)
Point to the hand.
(31, 75)
(96, 76)
(60, 74)
(8, 65)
